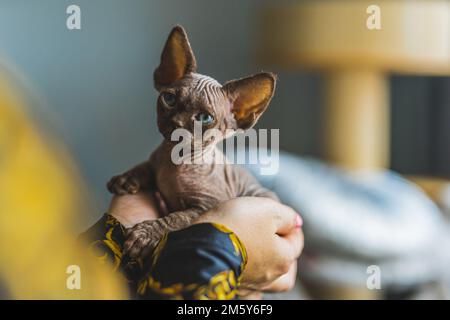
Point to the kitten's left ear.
(250, 97)
(177, 59)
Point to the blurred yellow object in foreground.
(39, 205)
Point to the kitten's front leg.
(135, 179)
(144, 236)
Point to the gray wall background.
(97, 82)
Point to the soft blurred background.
(92, 90)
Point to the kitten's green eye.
(169, 98)
(205, 118)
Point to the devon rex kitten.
(191, 189)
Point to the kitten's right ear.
(177, 59)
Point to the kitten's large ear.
(177, 59)
(250, 97)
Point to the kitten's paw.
(142, 239)
(122, 184)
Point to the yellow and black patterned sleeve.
(105, 240)
(203, 261)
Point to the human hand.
(131, 209)
(285, 282)
(272, 237)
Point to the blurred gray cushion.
(354, 219)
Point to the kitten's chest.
(188, 185)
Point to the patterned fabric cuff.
(203, 261)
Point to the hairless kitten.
(191, 189)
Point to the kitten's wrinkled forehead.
(206, 86)
(202, 82)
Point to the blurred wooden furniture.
(332, 37)
(433, 187)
